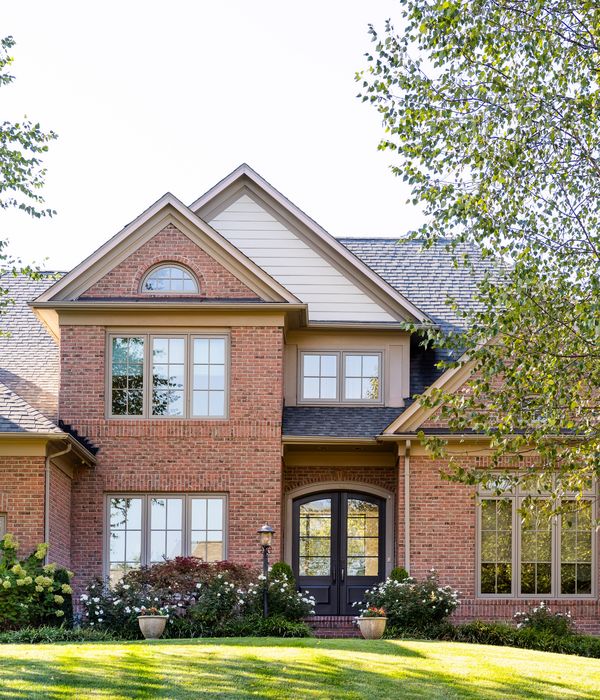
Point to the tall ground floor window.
(144, 529)
(529, 552)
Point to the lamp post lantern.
(265, 535)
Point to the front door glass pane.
(315, 538)
(362, 531)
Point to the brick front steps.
(333, 626)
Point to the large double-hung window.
(525, 551)
(144, 529)
(164, 375)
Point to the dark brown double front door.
(338, 548)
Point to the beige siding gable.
(288, 257)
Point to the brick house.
(216, 366)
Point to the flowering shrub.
(412, 604)
(31, 593)
(373, 612)
(542, 619)
(200, 599)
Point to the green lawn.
(298, 669)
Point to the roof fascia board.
(416, 414)
(323, 440)
(82, 452)
(103, 305)
(344, 260)
(168, 209)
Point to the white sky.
(149, 97)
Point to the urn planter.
(152, 626)
(372, 627)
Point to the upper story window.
(532, 553)
(347, 377)
(170, 279)
(177, 376)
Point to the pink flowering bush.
(31, 593)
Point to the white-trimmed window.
(341, 377)
(170, 279)
(526, 552)
(144, 529)
(168, 376)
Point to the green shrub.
(272, 626)
(503, 634)
(398, 573)
(282, 570)
(413, 605)
(52, 635)
(542, 619)
(32, 594)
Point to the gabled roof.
(381, 290)
(167, 210)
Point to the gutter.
(325, 440)
(82, 452)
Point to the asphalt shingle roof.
(17, 416)
(337, 421)
(427, 277)
(29, 356)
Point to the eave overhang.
(84, 455)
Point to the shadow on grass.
(168, 670)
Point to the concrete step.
(333, 626)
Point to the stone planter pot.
(152, 626)
(372, 627)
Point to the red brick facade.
(22, 498)
(170, 245)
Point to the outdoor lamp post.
(265, 535)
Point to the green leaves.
(493, 112)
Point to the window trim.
(168, 263)
(148, 336)
(517, 498)
(146, 496)
(340, 379)
(3, 524)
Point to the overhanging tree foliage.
(21, 170)
(493, 110)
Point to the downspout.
(407, 506)
(49, 458)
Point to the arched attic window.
(170, 279)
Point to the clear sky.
(149, 97)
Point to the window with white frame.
(144, 529)
(525, 551)
(155, 375)
(341, 377)
(170, 279)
